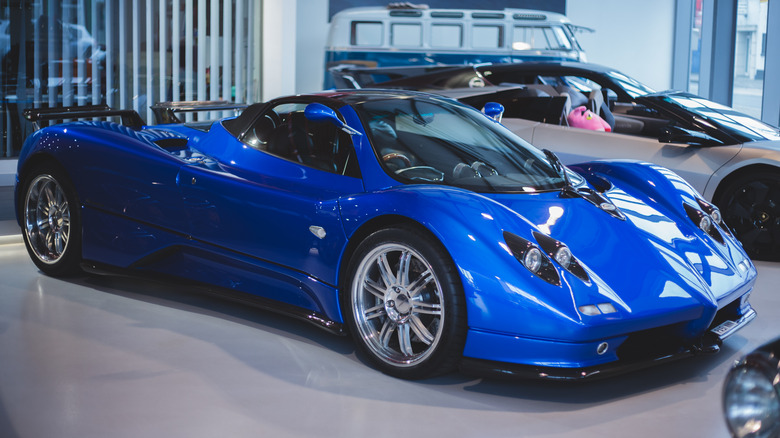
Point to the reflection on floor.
(121, 357)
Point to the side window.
(285, 132)
(487, 37)
(366, 33)
(536, 37)
(446, 36)
(406, 35)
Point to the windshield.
(633, 87)
(734, 122)
(428, 140)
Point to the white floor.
(98, 357)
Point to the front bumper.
(709, 343)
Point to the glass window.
(487, 37)
(749, 59)
(285, 132)
(424, 140)
(541, 38)
(446, 35)
(693, 77)
(366, 33)
(406, 34)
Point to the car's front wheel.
(751, 206)
(404, 304)
(51, 221)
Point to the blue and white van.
(415, 35)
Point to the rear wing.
(130, 118)
(165, 112)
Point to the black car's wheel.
(405, 305)
(751, 206)
(51, 221)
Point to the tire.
(51, 221)
(404, 305)
(750, 205)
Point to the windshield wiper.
(558, 167)
(585, 193)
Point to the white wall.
(279, 45)
(633, 36)
(310, 45)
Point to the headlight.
(705, 223)
(533, 259)
(751, 402)
(704, 220)
(563, 256)
(716, 216)
(561, 253)
(530, 256)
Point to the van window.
(540, 38)
(487, 37)
(366, 33)
(406, 34)
(446, 35)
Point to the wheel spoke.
(49, 237)
(385, 270)
(420, 283)
(374, 289)
(59, 242)
(757, 191)
(420, 330)
(387, 332)
(49, 196)
(426, 308)
(375, 312)
(403, 268)
(405, 340)
(60, 196)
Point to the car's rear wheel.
(751, 207)
(405, 305)
(51, 221)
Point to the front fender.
(499, 290)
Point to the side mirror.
(676, 134)
(494, 110)
(317, 112)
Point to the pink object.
(581, 117)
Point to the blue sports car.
(423, 227)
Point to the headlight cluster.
(751, 398)
(539, 258)
(707, 218)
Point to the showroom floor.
(97, 357)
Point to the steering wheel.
(400, 156)
(422, 173)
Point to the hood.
(654, 262)
(738, 125)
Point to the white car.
(731, 158)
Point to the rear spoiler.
(130, 118)
(165, 112)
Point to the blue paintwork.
(223, 213)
